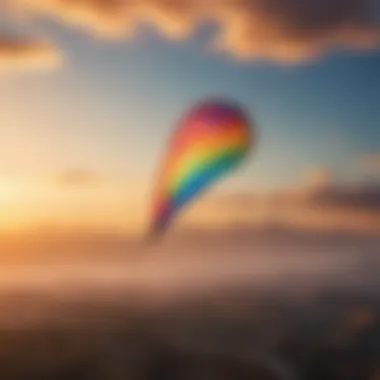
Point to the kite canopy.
(208, 142)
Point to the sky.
(93, 89)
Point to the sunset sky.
(91, 90)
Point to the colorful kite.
(208, 143)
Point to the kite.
(209, 142)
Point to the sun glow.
(31, 204)
(11, 211)
(10, 190)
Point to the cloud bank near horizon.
(317, 203)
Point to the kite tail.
(156, 234)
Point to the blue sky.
(117, 104)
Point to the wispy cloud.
(77, 178)
(280, 30)
(17, 53)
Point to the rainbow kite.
(208, 143)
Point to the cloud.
(280, 30)
(364, 198)
(319, 203)
(318, 177)
(77, 178)
(117, 18)
(16, 53)
(370, 163)
(291, 30)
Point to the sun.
(11, 210)
(7, 191)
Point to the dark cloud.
(282, 30)
(329, 207)
(360, 198)
(291, 30)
